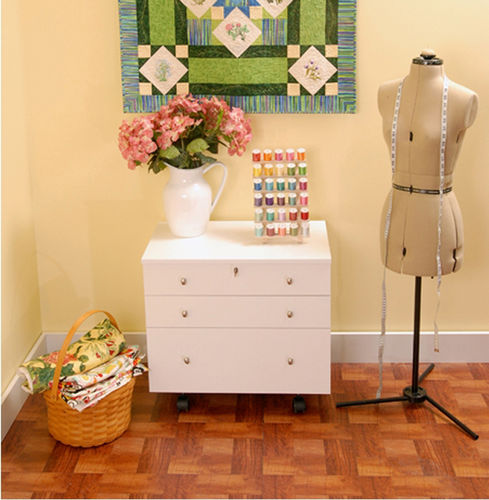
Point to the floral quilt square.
(264, 56)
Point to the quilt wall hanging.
(264, 56)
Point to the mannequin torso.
(413, 234)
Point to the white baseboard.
(455, 347)
(14, 397)
(346, 347)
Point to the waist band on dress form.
(411, 189)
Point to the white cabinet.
(228, 313)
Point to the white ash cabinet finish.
(257, 278)
(240, 361)
(228, 313)
(239, 312)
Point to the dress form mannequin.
(413, 235)
(424, 120)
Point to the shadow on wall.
(118, 233)
(60, 284)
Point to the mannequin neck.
(426, 74)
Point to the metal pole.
(417, 316)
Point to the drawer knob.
(289, 281)
(186, 360)
(235, 271)
(183, 281)
(290, 361)
(184, 313)
(289, 314)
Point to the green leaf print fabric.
(103, 342)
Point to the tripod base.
(414, 395)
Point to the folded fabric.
(100, 344)
(92, 395)
(124, 362)
(86, 390)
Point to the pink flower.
(177, 123)
(186, 104)
(170, 129)
(211, 109)
(238, 129)
(229, 27)
(136, 141)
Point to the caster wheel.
(298, 404)
(182, 403)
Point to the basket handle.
(66, 343)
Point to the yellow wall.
(93, 216)
(21, 317)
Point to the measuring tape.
(441, 191)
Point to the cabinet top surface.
(233, 240)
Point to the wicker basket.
(96, 425)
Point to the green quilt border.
(344, 102)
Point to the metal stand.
(414, 393)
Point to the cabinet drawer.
(239, 361)
(238, 311)
(238, 278)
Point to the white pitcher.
(187, 199)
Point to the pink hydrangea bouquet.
(182, 132)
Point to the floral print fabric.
(85, 390)
(100, 344)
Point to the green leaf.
(83, 358)
(219, 120)
(205, 159)
(156, 165)
(213, 145)
(197, 146)
(169, 153)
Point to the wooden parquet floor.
(254, 446)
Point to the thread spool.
(269, 199)
(294, 229)
(258, 214)
(302, 167)
(269, 184)
(279, 155)
(289, 154)
(259, 229)
(293, 214)
(305, 229)
(292, 183)
(292, 199)
(303, 183)
(270, 214)
(281, 199)
(256, 155)
(279, 169)
(290, 168)
(304, 213)
(281, 214)
(280, 184)
(258, 200)
(268, 169)
(267, 155)
(304, 198)
(270, 230)
(301, 154)
(257, 184)
(282, 229)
